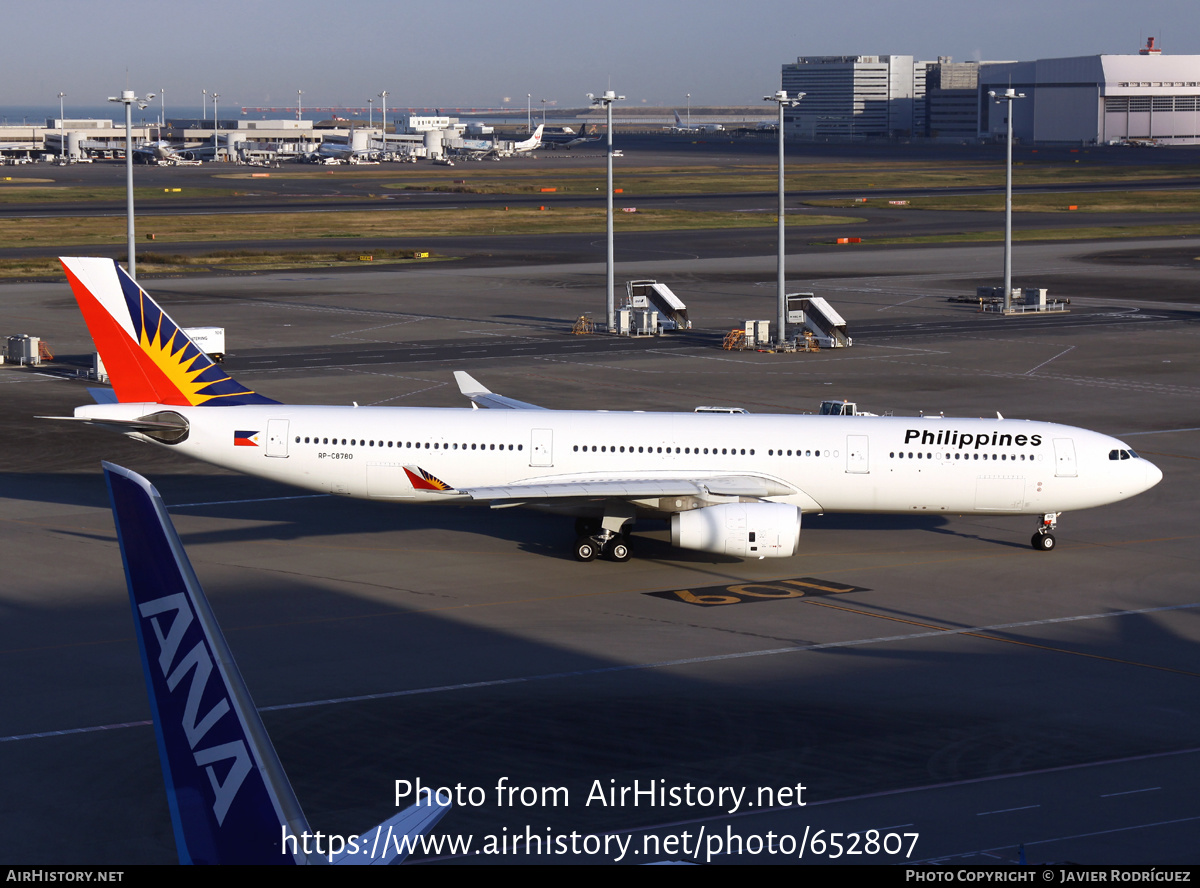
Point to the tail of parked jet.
(148, 358)
(229, 798)
(532, 142)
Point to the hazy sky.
(455, 54)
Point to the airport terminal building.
(855, 97)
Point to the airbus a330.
(729, 483)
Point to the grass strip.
(407, 223)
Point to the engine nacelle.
(748, 530)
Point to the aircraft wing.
(606, 487)
(481, 396)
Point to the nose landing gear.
(1043, 540)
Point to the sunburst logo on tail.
(147, 356)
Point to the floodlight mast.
(1009, 95)
(63, 157)
(127, 98)
(607, 100)
(781, 98)
(383, 99)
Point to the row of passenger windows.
(606, 448)
(412, 445)
(964, 456)
(722, 451)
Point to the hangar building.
(1150, 98)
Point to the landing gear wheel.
(618, 550)
(586, 549)
(1043, 542)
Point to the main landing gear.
(605, 537)
(1043, 540)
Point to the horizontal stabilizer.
(145, 424)
(392, 840)
(103, 396)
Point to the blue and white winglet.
(229, 798)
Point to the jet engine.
(748, 530)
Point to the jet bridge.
(818, 316)
(652, 294)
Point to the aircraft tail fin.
(229, 798)
(678, 120)
(147, 356)
(226, 789)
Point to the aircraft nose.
(1153, 473)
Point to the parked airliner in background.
(680, 127)
(531, 143)
(568, 138)
(478, 149)
(729, 483)
(163, 153)
(229, 798)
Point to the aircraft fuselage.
(830, 464)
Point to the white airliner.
(729, 483)
(478, 149)
(531, 143)
(679, 127)
(163, 153)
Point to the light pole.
(299, 109)
(1009, 95)
(127, 98)
(529, 112)
(607, 101)
(203, 107)
(383, 102)
(543, 112)
(689, 98)
(62, 145)
(215, 97)
(781, 99)
(162, 120)
(371, 113)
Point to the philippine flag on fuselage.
(245, 439)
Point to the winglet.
(481, 396)
(229, 798)
(469, 385)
